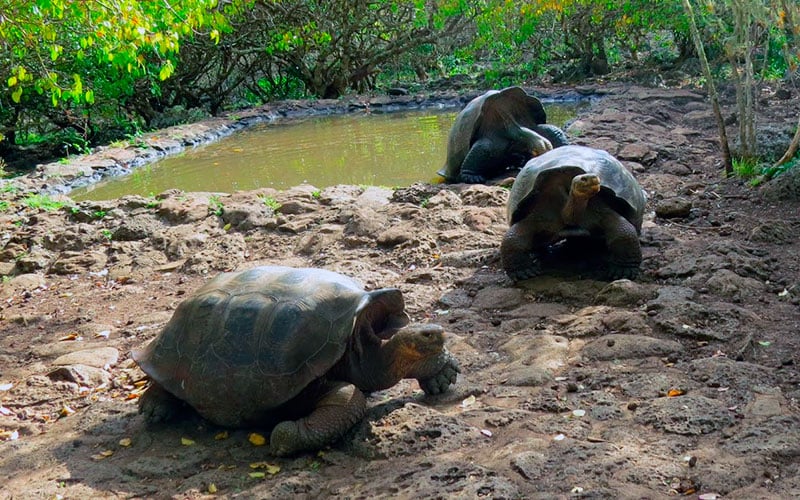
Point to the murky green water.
(392, 149)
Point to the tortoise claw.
(619, 271)
(471, 178)
(443, 379)
(532, 269)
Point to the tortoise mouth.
(424, 339)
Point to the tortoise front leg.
(336, 411)
(444, 376)
(518, 252)
(482, 161)
(622, 243)
(159, 405)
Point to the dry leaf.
(212, 488)
(256, 439)
(4, 411)
(104, 334)
(256, 475)
(559, 437)
(271, 469)
(6, 387)
(71, 336)
(125, 442)
(468, 402)
(674, 392)
(486, 432)
(131, 395)
(186, 441)
(578, 413)
(66, 411)
(221, 435)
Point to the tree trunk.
(712, 91)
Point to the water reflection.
(392, 149)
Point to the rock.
(690, 415)
(673, 208)
(444, 199)
(726, 283)
(136, 228)
(364, 221)
(617, 346)
(777, 436)
(79, 262)
(599, 320)
(100, 357)
(498, 298)
(535, 359)
(86, 376)
(637, 152)
(623, 293)
(395, 235)
(21, 284)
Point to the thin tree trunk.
(789, 154)
(712, 91)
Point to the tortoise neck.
(574, 208)
(376, 367)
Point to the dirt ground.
(682, 383)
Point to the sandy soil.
(681, 383)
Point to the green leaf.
(89, 96)
(16, 95)
(12, 80)
(166, 71)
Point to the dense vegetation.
(79, 73)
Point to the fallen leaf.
(708, 496)
(271, 469)
(131, 395)
(140, 383)
(559, 437)
(486, 432)
(186, 441)
(212, 488)
(125, 442)
(468, 402)
(4, 411)
(764, 343)
(66, 411)
(71, 336)
(256, 439)
(102, 455)
(221, 435)
(674, 392)
(578, 413)
(256, 475)
(6, 387)
(104, 334)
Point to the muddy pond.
(387, 149)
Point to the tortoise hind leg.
(158, 405)
(335, 412)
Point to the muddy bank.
(681, 383)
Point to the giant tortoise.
(498, 130)
(290, 348)
(568, 193)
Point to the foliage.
(42, 202)
(65, 61)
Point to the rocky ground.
(681, 383)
